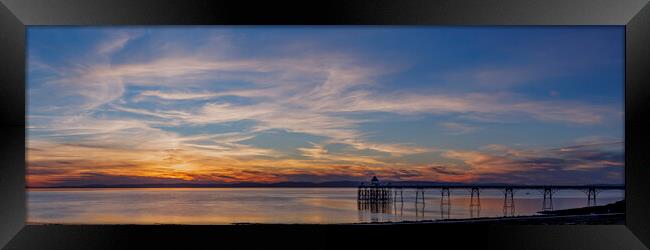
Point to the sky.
(219, 104)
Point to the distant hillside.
(344, 183)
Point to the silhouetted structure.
(377, 192)
(591, 196)
(374, 193)
(445, 196)
(377, 207)
(475, 203)
(475, 212)
(547, 203)
(508, 202)
(475, 197)
(419, 192)
(374, 181)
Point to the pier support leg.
(445, 196)
(445, 203)
(475, 203)
(394, 195)
(508, 202)
(547, 204)
(475, 197)
(475, 212)
(423, 202)
(591, 197)
(419, 192)
(445, 211)
(419, 212)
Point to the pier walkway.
(383, 193)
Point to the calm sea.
(273, 205)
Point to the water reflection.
(376, 207)
(450, 207)
(474, 211)
(508, 202)
(283, 205)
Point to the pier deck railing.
(387, 193)
(503, 186)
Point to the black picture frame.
(16, 14)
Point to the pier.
(386, 193)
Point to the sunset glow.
(131, 105)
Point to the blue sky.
(228, 104)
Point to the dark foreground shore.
(609, 214)
(586, 219)
(480, 234)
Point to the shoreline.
(332, 184)
(599, 219)
(595, 219)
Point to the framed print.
(496, 124)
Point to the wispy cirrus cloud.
(456, 128)
(554, 165)
(145, 110)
